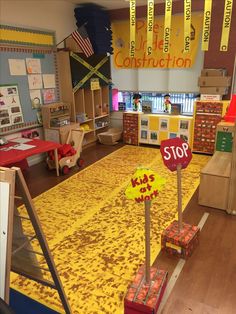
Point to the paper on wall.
(48, 95)
(36, 98)
(17, 66)
(33, 66)
(49, 81)
(35, 81)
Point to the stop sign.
(175, 152)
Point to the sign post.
(179, 189)
(178, 238)
(143, 188)
(176, 155)
(147, 289)
(147, 241)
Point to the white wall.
(52, 15)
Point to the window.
(157, 99)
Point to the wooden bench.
(218, 181)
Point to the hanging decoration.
(167, 28)
(226, 25)
(176, 58)
(132, 27)
(206, 25)
(150, 23)
(187, 25)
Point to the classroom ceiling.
(114, 4)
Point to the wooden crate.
(145, 298)
(214, 181)
(180, 243)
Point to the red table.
(12, 156)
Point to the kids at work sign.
(175, 152)
(144, 185)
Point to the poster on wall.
(48, 95)
(49, 81)
(36, 99)
(168, 56)
(10, 107)
(17, 66)
(33, 66)
(35, 81)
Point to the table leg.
(56, 161)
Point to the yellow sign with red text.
(144, 185)
(176, 58)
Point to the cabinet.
(89, 108)
(207, 115)
(130, 128)
(57, 122)
(154, 128)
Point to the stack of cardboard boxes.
(213, 83)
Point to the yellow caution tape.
(167, 27)
(206, 25)
(150, 22)
(132, 27)
(226, 25)
(93, 70)
(187, 25)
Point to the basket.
(111, 137)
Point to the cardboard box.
(213, 81)
(214, 90)
(145, 298)
(210, 97)
(181, 243)
(213, 72)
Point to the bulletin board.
(28, 64)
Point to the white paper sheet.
(33, 65)
(35, 81)
(49, 81)
(22, 146)
(17, 66)
(21, 140)
(36, 98)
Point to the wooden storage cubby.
(57, 111)
(54, 111)
(89, 107)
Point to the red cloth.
(13, 156)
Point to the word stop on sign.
(175, 152)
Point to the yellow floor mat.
(96, 235)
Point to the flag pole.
(63, 40)
(85, 23)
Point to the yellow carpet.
(96, 235)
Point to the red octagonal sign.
(175, 152)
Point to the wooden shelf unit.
(91, 105)
(61, 111)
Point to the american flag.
(82, 39)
